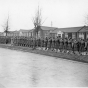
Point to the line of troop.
(66, 45)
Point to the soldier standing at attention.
(82, 46)
(75, 46)
(86, 46)
(46, 42)
(34, 43)
(79, 44)
(57, 44)
(49, 43)
(12, 41)
(69, 46)
(53, 44)
(61, 45)
(42, 43)
(65, 45)
(39, 43)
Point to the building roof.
(13, 31)
(84, 29)
(71, 29)
(47, 28)
(23, 30)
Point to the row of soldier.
(5, 40)
(58, 44)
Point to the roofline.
(74, 27)
(49, 26)
(81, 28)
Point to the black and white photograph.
(43, 43)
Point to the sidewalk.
(48, 53)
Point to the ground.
(75, 57)
(20, 69)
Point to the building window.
(73, 35)
(38, 34)
(81, 35)
(87, 35)
(46, 35)
(66, 35)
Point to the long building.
(72, 32)
(44, 31)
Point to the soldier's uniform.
(79, 44)
(69, 48)
(82, 46)
(28, 42)
(17, 41)
(61, 45)
(53, 44)
(45, 43)
(75, 46)
(57, 44)
(42, 43)
(65, 45)
(86, 45)
(49, 43)
(34, 43)
(39, 42)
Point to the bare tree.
(37, 21)
(86, 20)
(6, 27)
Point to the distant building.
(21, 32)
(13, 33)
(1, 34)
(72, 32)
(26, 33)
(43, 31)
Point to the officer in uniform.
(75, 46)
(50, 42)
(17, 41)
(34, 43)
(53, 44)
(31, 42)
(46, 42)
(69, 46)
(79, 44)
(86, 46)
(57, 43)
(61, 45)
(39, 43)
(12, 41)
(65, 44)
(82, 46)
(42, 43)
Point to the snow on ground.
(20, 69)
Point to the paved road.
(23, 70)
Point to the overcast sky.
(62, 13)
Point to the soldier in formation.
(66, 45)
